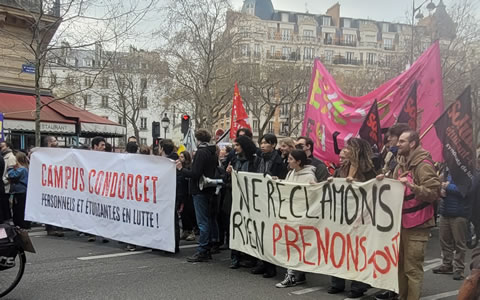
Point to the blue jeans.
(206, 221)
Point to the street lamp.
(165, 124)
(430, 7)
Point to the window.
(53, 79)
(258, 50)
(328, 55)
(121, 121)
(87, 99)
(308, 53)
(328, 39)
(350, 39)
(326, 21)
(286, 51)
(388, 60)
(347, 23)
(284, 109)
(272, 50)
(88, 81)
(350, 57)
(286, 34)
(371, 58)
(143, 83)
(69, 81)
(388, 44)
(308, 35)
(244, 49)
(143, 102)
(143, 141)
(270, 127)
(104, 101)
(385, 27)
(284, 17)
(144, 66)
(255, 125)
(87, 62)
(105, 82)
(143, 123)
(271, 33)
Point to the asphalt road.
(72, 268)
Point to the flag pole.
(426, 131)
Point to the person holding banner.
(417, 172)
(187, 211)
(301, 172)
(390, 161)
(245, 160)
(270, 163)
(357, 165)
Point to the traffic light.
(185, 123)
(155, 129)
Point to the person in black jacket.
(205, 163)
(306, 144)
(245, 160)
(270, 163)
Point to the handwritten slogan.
(346, 230)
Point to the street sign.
(26, 68)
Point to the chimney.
(334, 12)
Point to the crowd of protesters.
(203, 212)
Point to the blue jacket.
(19, 180)
(454, 204)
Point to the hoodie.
(305, 175)
(205, 163)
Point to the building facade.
(127, 87)
(348, 47)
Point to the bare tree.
(85, 22)
(274, 89)
(199, 48)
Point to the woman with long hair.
(18, 177)
(187, 211)
(300, 172)
(245, 160)
(357, 165)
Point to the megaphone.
(206, 182)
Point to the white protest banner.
(346, 230)
(125, 197)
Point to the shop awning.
(90, 124)
(19, 114)
(57, 117)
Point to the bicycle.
(13, 244)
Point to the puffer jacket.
(454, 204)
(305, 175)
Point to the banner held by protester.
(454, 128)
(348, 230)
(125, 197)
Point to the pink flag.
(329, 110)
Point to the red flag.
(370, 130)
(239, 115)
(408, 114)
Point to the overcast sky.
(379, 10)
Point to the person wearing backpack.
(18, 178)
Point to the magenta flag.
(330, 110)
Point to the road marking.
(440, 296)
(431, 266)
(126, 253)
(309, 290)
(431, 261)
(367, 294)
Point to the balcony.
(341, 60)
(346, 43)
(369, 44)
(389, 47)
(49, 7)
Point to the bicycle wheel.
(9, 278)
